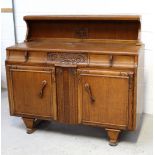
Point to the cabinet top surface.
(82, 17)
(93, 34)
(71, 45)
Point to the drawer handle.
(88, 89)
(111, 60)
(26, 55)
(43, 84)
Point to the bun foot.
(113, 136)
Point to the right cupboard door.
(104, 97)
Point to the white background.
(85, 7)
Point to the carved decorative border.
(67, 58)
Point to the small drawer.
(97, 59)
(109, 60)
(27, 56)
(16, 56)
(123, 60)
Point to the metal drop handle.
(43, 85)
(88, 89)
(26, 55)
(111, 61)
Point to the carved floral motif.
(67, 58)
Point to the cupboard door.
(104, 97)
(31, 91)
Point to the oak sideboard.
(78, 70)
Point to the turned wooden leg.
(113, 136)
(30, 124)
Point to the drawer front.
(112, 60)
(16, 56)
(27, 56)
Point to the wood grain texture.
(26, 84)
(67, 95)
(106, 29)
(103, 27)
(77, 46)
(111, 98)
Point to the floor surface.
(57, 139)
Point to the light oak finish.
(78, 70)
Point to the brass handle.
(26, 55)
(111, 60)
(43, 84)
(88, 89)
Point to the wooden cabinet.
(90, 72)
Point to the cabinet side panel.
(9, 87)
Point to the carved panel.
(67, 58)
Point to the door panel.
(32, 91)
(104, 97)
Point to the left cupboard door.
(31, 91)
